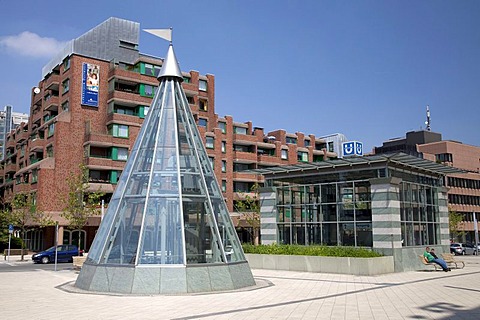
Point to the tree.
(24, 215)
(80, 203)
(249, 206)
(455, 221)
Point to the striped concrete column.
(443, 217)
(386, 230)
(268, 216)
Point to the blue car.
(65, 253)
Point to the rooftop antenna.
(428, 119)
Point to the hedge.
(314, 250)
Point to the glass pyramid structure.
(167, 228)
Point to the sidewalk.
(290, 295)
(27, 257)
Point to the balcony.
(52, 82)
(36, 119)
(99, 139)
(36, 145)
(22, 135)
(10, 167)
(245, 139)
(241, 176)
(244, 157)
(243, 195)
(37, 101)
(10, 143)
(105, 163)
(51, 103)
(117, 72)
(22, 188)
(268, 160)
(128, 96)
(123, 118)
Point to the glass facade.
(337, 213)
(168, 208)
(419, 215)
(335, 208)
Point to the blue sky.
(366, 69)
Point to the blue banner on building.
(90, 81)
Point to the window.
(330, 146)
(66, 64)
(307, 142)
(51, 130)
(241, 187)
(291, 140)
(284, 154)
(149, 91)
(34, 175)
(145, 90)
(128, 45)
(210, 143)
(65, 86)
(224, 166)
(444, 157)
(212, 162)
(118, 130)
(202, 105)
(190, 100)
(238, 167)
(186, 79)
(50, 152)
(122, 154)
(302, 156)
(151, 70)
(224, 146)
(202, 122)
(222, 126)
(224, 186)
(145, 110)
(65, 106)
(202, 85)
(240, 130)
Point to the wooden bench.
(424, 261)
(14, 252)
(450, 260)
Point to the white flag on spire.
(161, 33)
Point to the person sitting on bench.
(430, 258)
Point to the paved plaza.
(41, 294)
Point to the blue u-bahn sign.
(352, 148)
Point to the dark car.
(65, 253)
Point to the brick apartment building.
(463, 188)
(89, 107)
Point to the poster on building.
(90, 82)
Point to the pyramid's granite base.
(164, 279)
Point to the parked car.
(463, 248)
(65, 253)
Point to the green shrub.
(311, 251)
(16, 243)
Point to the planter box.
(78, 261)
(342, 265)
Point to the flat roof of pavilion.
(395, 159)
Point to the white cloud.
(31, 45)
